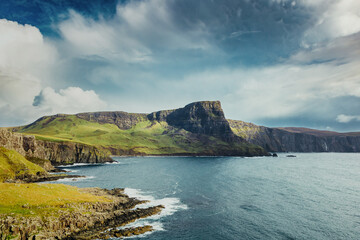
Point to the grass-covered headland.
(197, 129)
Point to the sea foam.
(171, 205)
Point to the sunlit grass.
(13, 164)
(43, 199)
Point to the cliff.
(57, 152)
(205, 117)
(296, 139)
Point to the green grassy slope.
(146, 137)
(244, 129)
(41, 199)
(13, 164)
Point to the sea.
(310, 196)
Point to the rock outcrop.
(57, 152)
(200, 118)
(296, 139)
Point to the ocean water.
(312, 196)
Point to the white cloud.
(69, 100)
(336, 19)
(138, 29)
(23, 49)
(27, 62)
(86, 37)
(342, 118)
(25, 59)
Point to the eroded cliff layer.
(57, 152)
(296, 139)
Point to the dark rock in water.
(274, 155)
(290, 156)
(127, 232)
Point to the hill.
(199, 128)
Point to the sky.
(270, 62)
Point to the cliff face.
(57, 152)
(296, 139)
(200, 118)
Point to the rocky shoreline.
(82, 220)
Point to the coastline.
(84, 220)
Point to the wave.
(75, 179)
(171, 205)
(80, 165)
(70, 170)
(115, 162)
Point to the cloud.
(23, 48)
(307, 84)
(27, 63)
(342, 118)
(137, 31)
(335, 19)
(69, 100)
(299, 59)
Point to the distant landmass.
(296, 139)
(198, 129)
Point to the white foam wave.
(75, 179)
(80, 164)
(115, 162)
(70, 170)
(171, 205)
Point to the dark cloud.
(44, 14)
(251, 32)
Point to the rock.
(72, 223)
(274, 155)
(290, 156)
